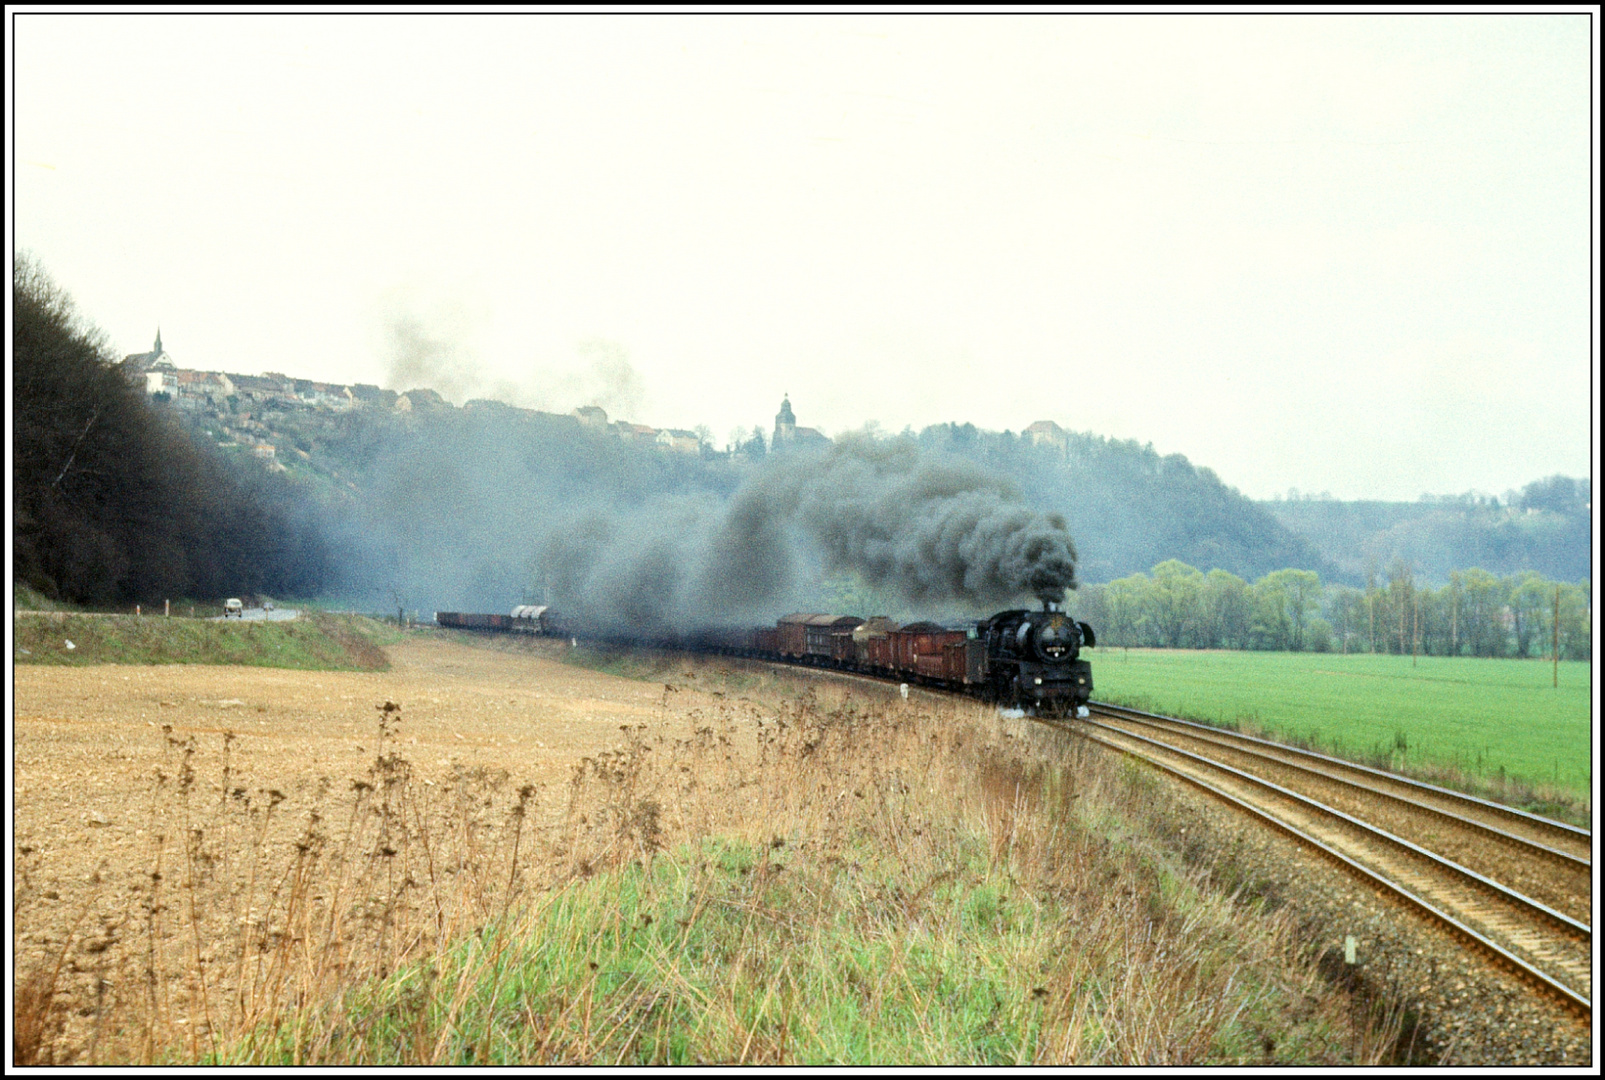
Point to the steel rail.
(1572, 832)
(1275, 752)
(1521, 965)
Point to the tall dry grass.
(816, 878)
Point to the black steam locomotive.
(1033, 659)
(1025, 659)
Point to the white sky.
(1348, 253)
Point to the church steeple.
(785, 422)
(158, 349)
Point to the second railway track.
(1545, 943)
(1544, 860)
(1549, 837)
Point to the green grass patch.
(316, 642)
(24, 598)
(725, 952)
(1500, 720)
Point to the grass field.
(315, 642)
(1498, 720)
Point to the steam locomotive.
(1024, 659)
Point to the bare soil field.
(88, 741)
(123, 772)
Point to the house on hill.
(266, 389)
(321, 395)
(364, 395)
(420, 400)
(152, 371)
(1047, 433)
(197, 389)
(160, 378)
(635, 433)
(680, 441)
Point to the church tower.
(785, 423)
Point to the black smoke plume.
(929, 528)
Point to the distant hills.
(1546, 527)
(1129, 507)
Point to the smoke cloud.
(431, 352)
(929, 528)
(608, 379)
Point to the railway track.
(1547, 861)
(1344, 811)
(1534, 836)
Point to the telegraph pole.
(1415, 628)
(1555, 642)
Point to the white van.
(232, 606)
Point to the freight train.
(1018, 658)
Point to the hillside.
(113, 501)
(1546, 527)
(434, 505)
(446, 507)
(1130, 508)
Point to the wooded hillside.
(117, 503)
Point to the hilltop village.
(243, 410)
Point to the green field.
(1499, 720)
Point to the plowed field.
(88, 740)
(101, 799)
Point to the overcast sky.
(1340, 253)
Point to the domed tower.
(785, 422)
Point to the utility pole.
(1415, 629)
(1555, 642)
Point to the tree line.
(114, 502)
(1475, 613)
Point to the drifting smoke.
(430, 354)
(609, 380)
(930, 529)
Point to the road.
(263, 615)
